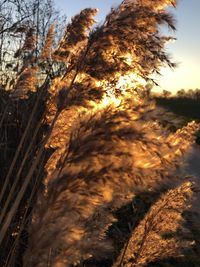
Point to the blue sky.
(185, 51)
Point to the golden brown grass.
(96, 144)
(161, 233)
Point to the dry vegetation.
(89, 174)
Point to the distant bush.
(188, 107)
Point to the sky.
(185, 51)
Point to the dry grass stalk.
(27, 82)
(48, 45)
(161, 234)
(76, 35)
(30, 41)
(113, 153)
(108, 143)
(109, 56)
(135, 23)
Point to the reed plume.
(106, 57)
(113, 154)
(109, 146)
(103, 142)
(26, 83)
(29, 44)
(162, 233)
(76, 35)
(48, 45)
(129, 42)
